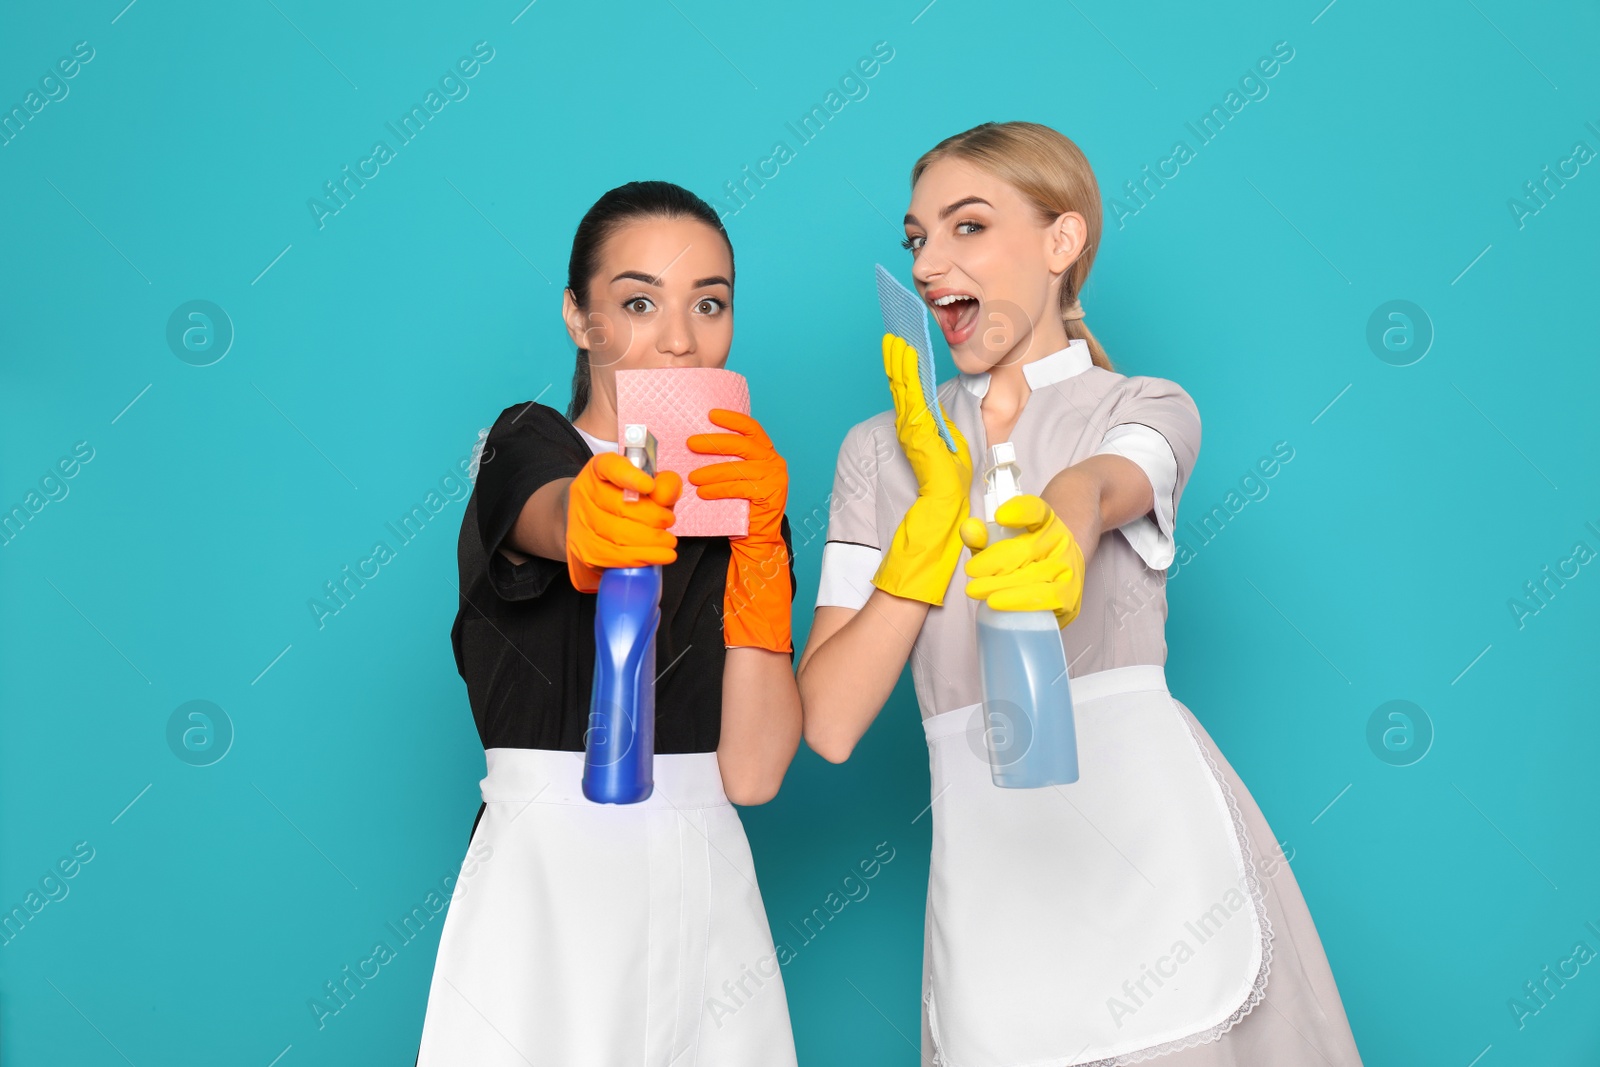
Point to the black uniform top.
(524, 637)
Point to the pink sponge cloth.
(674, 402)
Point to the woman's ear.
(574, 317)
(1065, 238)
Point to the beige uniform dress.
(1144, 911)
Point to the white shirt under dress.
(1129, 915)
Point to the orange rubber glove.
(757, 599)
(605, 530)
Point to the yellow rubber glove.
(1040, 569)
(925, 549)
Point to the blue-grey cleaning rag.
(905, 315)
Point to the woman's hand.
(757, 597)
(1040, 569)
(759, 475)
(605, 530)
(923, 554)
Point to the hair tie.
(1073, 312)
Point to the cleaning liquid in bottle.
(1027, 699)
(619, 745)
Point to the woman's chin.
(970, 359)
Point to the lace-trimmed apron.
(1103, 922)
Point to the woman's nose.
(676, 337)
(930, 264)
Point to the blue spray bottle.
(619, 745)
(1027, 699)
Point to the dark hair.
(622, 205)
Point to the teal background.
(1380, 564)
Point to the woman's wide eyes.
(706, 305)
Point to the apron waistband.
(1137, 678)
(547, 776)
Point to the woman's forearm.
(760, 723)
(1098, 494)
(851, 664)
(541, 528)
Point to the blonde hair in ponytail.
(1051, 172)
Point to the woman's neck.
(1009, 390)
(599, 416)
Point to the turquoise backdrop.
(1380, 259)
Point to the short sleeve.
(1156, 425)
(1151, 533)
(529, 446)
(852, 553)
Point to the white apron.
(1090, 922)
(603, 935)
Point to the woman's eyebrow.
(911, 220)
(963, 202)
(651, 279)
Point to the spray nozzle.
(638, 448)
(1003, 479)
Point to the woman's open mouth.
(957, 313)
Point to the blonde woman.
(1142, 912)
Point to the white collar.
(596, 445)
(1047, 370)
